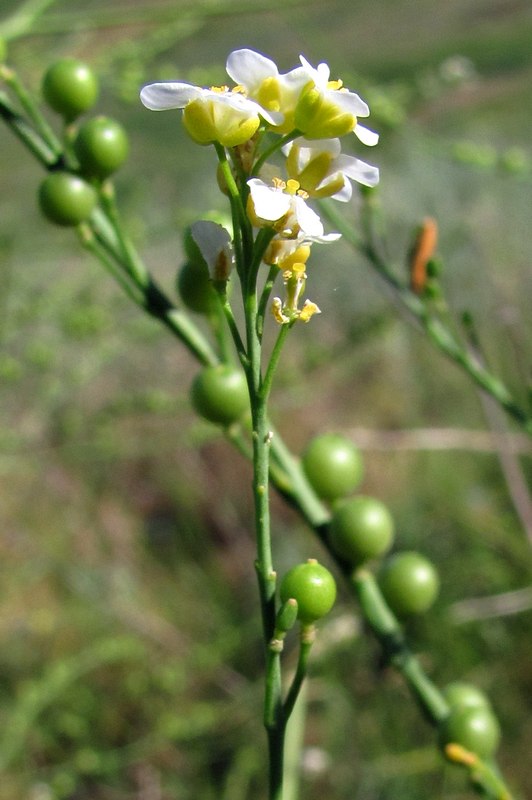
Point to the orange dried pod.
(421, 253)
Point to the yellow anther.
(278, 183)
(308, 311)
(277, 311)
(335, 85)
(219, 89)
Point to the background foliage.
(130, 659)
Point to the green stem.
(10, 77)
(151, 298)
(294, 486)
(27, 135)
(274, 361)
(294, 740)
(436, 331)
(274, 147)
(129, 256)
(264, 297)
(233, 328)
(91, 243)
(243, 239)
(262, 241)
(389, 632)
(306, 641)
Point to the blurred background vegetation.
(130, 657)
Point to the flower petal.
(250, 68)
(358, 170)
(349, 102)
(214, 242)
(163, 96)
(366, 136)
(269, 203)
(307, 219)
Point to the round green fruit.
(475, 729)
(70, 87)
(361, 528)
(313, 587)
(101, 147)
(333, 466)
(66, 199)
(409, 583)
(220, 394)
(460, 694)
(195, 287)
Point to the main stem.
(273, 712)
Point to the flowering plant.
(278, 145)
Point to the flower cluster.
(309, 113)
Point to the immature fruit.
(70, 87)
(333, 466)
(195, 287)
(409, 582)
(101, 147)
(476, 729)
(220, 394)
(361, 528)
(314, 588)
(66, 199)
(465, 695)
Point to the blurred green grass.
(131, 659)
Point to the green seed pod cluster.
(100, 145)
(471, 722)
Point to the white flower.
(323, 170)
(214, 243)
(283, 207)
(210, 115)
(275, 92)
(326, 109)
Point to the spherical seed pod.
(313, 587)
(101, 147)
(333, 466)
(409, 583)
(195, 287)
(220, 394)
(66, 199)
(476, 729)
(70, 88)
(361, 528)
(460, 694)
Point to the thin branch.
(477, 441)
(499, 605)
